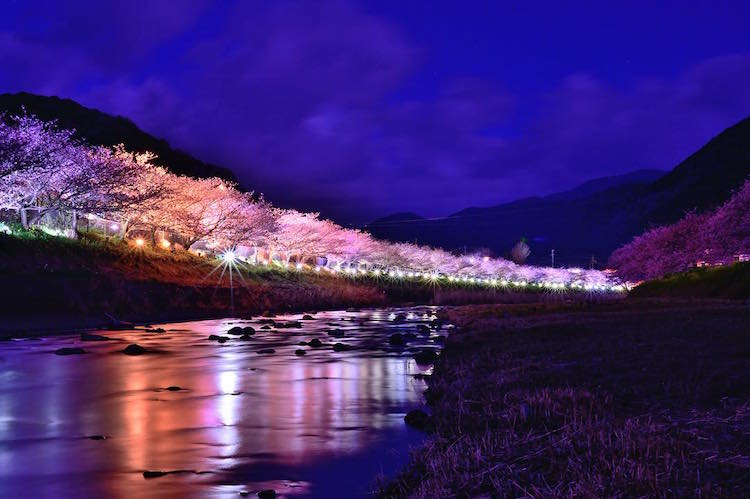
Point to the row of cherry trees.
(45, 170)
(715, 237)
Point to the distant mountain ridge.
(595, 218)
(99, 128)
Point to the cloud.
(302, 101)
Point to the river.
(320, 425)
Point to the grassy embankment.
(628, 398)
(52, 283)
(731, 281)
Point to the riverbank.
(638, 397)
(52, 284)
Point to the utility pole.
(553, 258)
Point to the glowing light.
(114, 227)
(299, 266)
(139, 242)
(229, 256)
(317, 268)
(165, 244)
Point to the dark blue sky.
(361, 109)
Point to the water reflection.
(306, 426)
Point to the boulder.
(174, 388)
(266, 327)
(340, 347)
(267, 494)
(236, 330)
(399, 318)
(300, 352)
(134, 349)
(246, 337)
(213, 337)
(315, 343)
(308, 317)
(248, 330)
(70, 351)
(267, 350)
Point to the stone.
(397, 339)
(246, 337)
(223, 339)
(315, 343)
(267, 350)
(214, 337)
(134, 349)
(248, 330)
(94, 337)
(300, 352)
(266, 327)
(267, 494)
(399, 318)
(336, 333)
(154, 474)
(426, 356)
(308, 317)
(97, 437)
(419, 419)
(236, 330)
(340, 347)
(174, 388)
(70, 351)
(423, 329)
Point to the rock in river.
(419, 420)
(248, 330)
(94, 337)
(236, 330)
(426, 356)
(267, 494)
(267, 350)
(69, 351)
(397, 339)
(308, 317)
(134, 349)
(336, 333)
(340, 347)
(315, 343)
(300, 352)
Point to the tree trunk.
(74, 223)
(24, 218)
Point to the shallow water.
(321, 425)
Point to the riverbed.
(215, 417)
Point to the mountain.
(595, 218)
(602, 184)
(98, 128)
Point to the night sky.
(359, 110)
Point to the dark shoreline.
(639, 397)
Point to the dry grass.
(597, 401)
